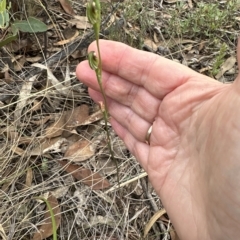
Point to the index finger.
(156, 74)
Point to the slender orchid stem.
(95, 62)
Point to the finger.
(136, 125)
(157, 74)
(138, 149)
(128, 94)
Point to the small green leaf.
(3, 5)
(4, 19)
(31, 25)
(93, 60)
(14, 30)
(8, 39)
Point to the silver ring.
(148, 135)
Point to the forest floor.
(52, 140)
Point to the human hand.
(193, 160)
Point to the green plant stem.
(54, 226)
(104, 110)
(94, 16)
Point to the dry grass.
(38, 124)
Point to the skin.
(193, 160)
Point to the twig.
(153, 204)
(142, 175)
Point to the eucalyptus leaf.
(31, 25)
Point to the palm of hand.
(188, 165)
(197, 164)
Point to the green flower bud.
(94, 12)
(93, 60)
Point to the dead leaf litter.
(52, 138)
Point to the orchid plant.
(95, 62)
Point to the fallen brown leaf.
(18, 65)
(41, 121)
(80, 151)
(59, 86)
(227, 65)
(56, 128)
(148, 42)
(29, 177)
(66, 5)
(53, 144)
(46, 229)
(74, 137)
(77, 116)
(34, 59)
(79, 53)
(24, 95)
(68, 121)
(80, 22)
(19, 151)
(60, 43)
(91, 179)
(93, 118)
